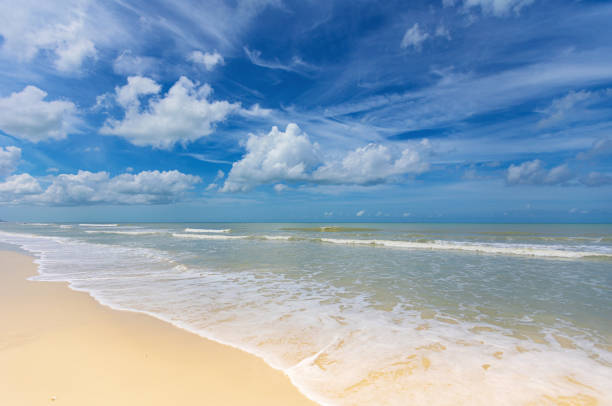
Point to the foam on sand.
(335, 342)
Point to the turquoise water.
(367, 313)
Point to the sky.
(274, 110)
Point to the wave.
(65, 226)
(275, 237)
(329, 229)
(317, 335)
(98, 225)
(209, 237)
(207, 230)
(150, 232)
(533, 251)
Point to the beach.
(59, 346)
(343, 314)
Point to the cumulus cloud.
(9, 159)
(26, 115)
(371, 164)
(16, 187)
(273, 157)
(128, 96)
(414, 37)
(208, 60)
(88, 188)
(534, 173)
(184, 114)
(290, 156)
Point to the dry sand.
(61, 347)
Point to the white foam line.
(274, 237)
(533, 251)
(209, 237)
(39, 255)
(98, 225)
(123, 232)
(207, 230)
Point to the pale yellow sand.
(60, 347)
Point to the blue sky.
(451, 110)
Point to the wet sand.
(61, 347)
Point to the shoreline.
(61, 346)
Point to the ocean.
(366, 313)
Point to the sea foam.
(207, 230)
(505, 249)
(336, 346)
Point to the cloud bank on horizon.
(449, 109)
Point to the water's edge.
(22, 251)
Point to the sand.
(61, 347)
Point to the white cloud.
(498, 7)
(207, 59)
(128, 95)
(414, 38)
(290, 156)
(279, 187)
(9, 159)
(273, 157)
(371, 164)
(85, 188)
(182, 115)
(534, 173)
(442, 31)
(60, 30)
(600, 149)
(595, 179)
(255, 111)
(128, 64)
(297, 64)
(360, 213)
(18, 186)
(559, 108)
(26, 115)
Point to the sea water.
(361, 314)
